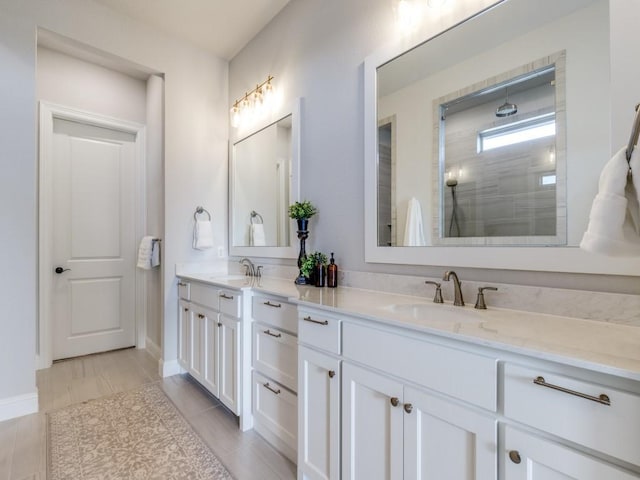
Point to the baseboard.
(153, 349)
(169, 368)
(18, 406)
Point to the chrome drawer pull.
(274, 305)
(277, 335)
(319, 322)
(602, 399)
(271, 389)
(226, 297)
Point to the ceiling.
(223, 27)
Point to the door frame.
(49, 112)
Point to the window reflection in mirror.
(261, 187)
(497, 158)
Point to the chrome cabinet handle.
(603, 399)
(331, 373)
(226, 297)
(271, 389)
(514, 455)
(274, 305)
(408, 407)
(269, 332)
(319, 322)
(394, 401)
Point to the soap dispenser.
(332, 273)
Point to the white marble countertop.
(600, 346)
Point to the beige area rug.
(137, 434)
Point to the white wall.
(72, 82)
(196, 131)
(315, 49)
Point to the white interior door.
(93, 236)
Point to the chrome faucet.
(250, 269)
(458, 301)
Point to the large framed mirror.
(484, 143)
(263, 182)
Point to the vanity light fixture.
(252, 103)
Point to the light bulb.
(407, 15)
(235, 116)
(268, 94)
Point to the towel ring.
(255, 214)
(635, 132)
(200, 211)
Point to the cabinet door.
(443, 440)
(196, 363)
(371, 425)
(211, 364)
(319, 411)
(528, 457)
(184, 335)
(229, 361)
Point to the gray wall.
(315, 49)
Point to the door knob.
(59, 270)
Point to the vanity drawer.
(183, 289)
(319, 330)
(556, 405)
(457, 373)
(230, 303)
(275, 409)
(280, 314)
(275, 354)
(203, 294)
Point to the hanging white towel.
(413, 231)
(614, 222)
(257, 236)
(148, 253)
(202, 235)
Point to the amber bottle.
(332, 273)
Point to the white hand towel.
(614, 222)
(155, 253)
(256, 235)
(145, 251)
(202, 235)
(413, 231)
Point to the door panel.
(93, 235)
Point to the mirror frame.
(290, 251)
(543, 258)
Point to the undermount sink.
(432, 311)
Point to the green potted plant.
(314, 268)
(302, 212)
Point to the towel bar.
(635, 132)
(200, 211)
(255, 214)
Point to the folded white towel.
(148, 253)
(413, 231)
(614, 222)
(202, 235)
(257, 236)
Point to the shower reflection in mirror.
(496, 150)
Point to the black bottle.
(332, 273)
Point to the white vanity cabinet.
(209, 339)
(572, 408)
(275, 371)
(395, 429)
(319, 396)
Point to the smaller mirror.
(262, 182)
